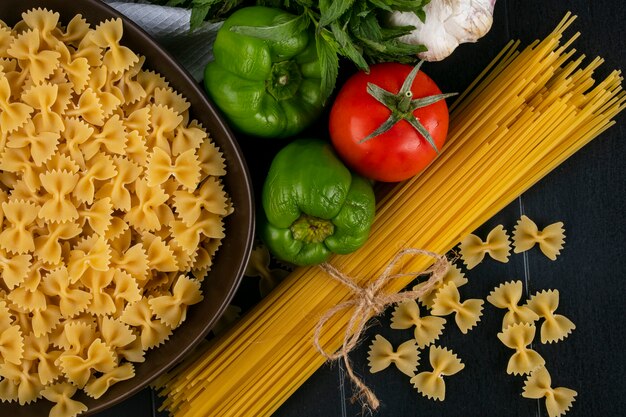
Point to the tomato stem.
(405, 102)
(402, 105)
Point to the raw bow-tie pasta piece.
(444, 363)
(153, 332)
(11, 340)
(42, 98)
(111, 137)
(98, 168)
(22, 382)
(37, 349)
(211, 226)
(190, 137)
(467, 313)
(210, 198)
(77, 369)
(76, 69)
(45, 22)
(11, 345)
(508, 296)
(90, 254)
(95, 154)
(427, 329)
(14, 114)
(381, 355)
(39, 63)
(61, 394)
(14, 268)
(539, 385)
(144, 214)
(518, 337)
(454, 274)
(58, 207)
(17, 161)
(118, 189)
(99, 216)
(556, 327)
(27, 301)
(16, 237)
(185, 169)
(109, 97)
(108, 35)
(73, 300)
(172, 309)
(551, 239)
(48, 245)
(42, 144)
(97, 386)
(127, 84)
(497, 245)
(88, 108)
(164, 121)
(211, 160)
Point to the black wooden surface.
(587, 193)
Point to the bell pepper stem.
(311, 229)
(284, 81)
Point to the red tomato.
(400, 152)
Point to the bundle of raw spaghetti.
(525, 114)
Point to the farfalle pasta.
(551, 239)
(539, 385)
(466, 314)
(524, 360)
(497, 245)
(453, 274)
(61, 394)
(445, 363)
(382, 354)
(555, 327)
(507, 296)
(427, 328)
(111, 209)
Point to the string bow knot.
(371, 299)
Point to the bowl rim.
(236, 158)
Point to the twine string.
(371, 299)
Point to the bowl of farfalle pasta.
(126, 214)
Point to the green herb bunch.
(355, 29)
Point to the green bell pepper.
(313, 205)
(265, 87)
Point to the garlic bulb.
(448, 24)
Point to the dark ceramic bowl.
(231, 258)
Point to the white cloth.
(170, 27)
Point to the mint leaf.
(421, 15)
(327, 50)
(276, 32)
(198, 14)
(382, 5)
(333, 11)
(348, 48)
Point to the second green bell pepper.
(313, 205)
(265, 87)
